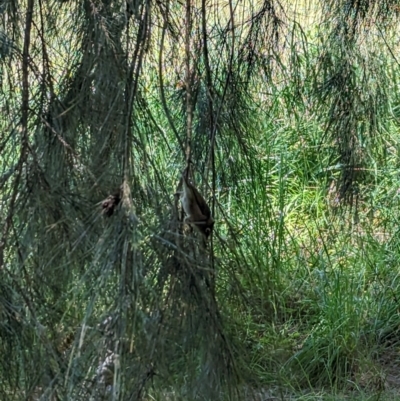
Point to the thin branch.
(188, 82)
(24, 127)
(161, 79)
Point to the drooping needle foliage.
(286, 114)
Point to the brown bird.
(111, 202)
(198, 214)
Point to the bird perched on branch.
(111, 202)
(198, 214)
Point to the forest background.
(289, 112)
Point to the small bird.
(198, 214)
(111, 202)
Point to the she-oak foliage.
(104, 292)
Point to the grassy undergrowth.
(293, 133)
(321, 309)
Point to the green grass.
(307, 290)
